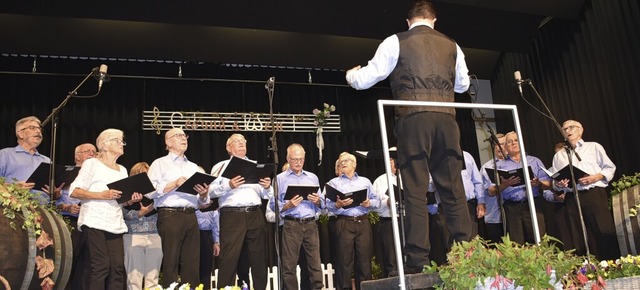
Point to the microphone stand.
(493, 141)
(53, 118)
(570, 152)
(274, 183)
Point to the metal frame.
(385, 150)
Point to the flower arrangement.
(319, 120)
(321, 117)
(482, 265)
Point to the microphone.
(101, 75)
(519, 81)
(270, 82)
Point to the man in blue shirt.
(515, 201)
(352, 228)
(300, 228)
(19, 162)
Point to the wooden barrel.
(627, 227)
(18, 252)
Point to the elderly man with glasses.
(177, 222)
(593, 160)
(19, 162)
(352, 228)
(241, 219)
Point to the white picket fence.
(272, 277)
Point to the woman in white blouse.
(100, 218)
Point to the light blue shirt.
(18, 163)
(140, 225)
(492, 213)
(66, 199)
(518, 193)
(306, 208)
(594, 161)
(386, 59)
(167, 169)
(209, 221)
(472, 179)
(345, 184)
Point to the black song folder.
(252, 172)
(301, 190)
(565, 173)
(137, 183)
(358, 196)
(196, 178)
(506, 174)
(66, 174)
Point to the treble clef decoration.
(155, 123)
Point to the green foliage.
(323, 219)
(374, 217)
(376, 269)
(18, 203)
(529, 266)
(625, 182)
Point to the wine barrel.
(18, 252)
(627, 227)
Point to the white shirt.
(594, 160)
(243, 195)
(381, 188)
(386, 58)
(167, 169)
(99, 214)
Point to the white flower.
(603, 264)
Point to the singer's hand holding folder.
(565, 173)
(63, 173)
(145, 202)
(300, 189)
(196, 178)
(251, 172)
(358, 196)
(139, 183)
(506, 174)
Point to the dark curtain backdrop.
(584, 70)
(139, 86)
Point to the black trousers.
(180, 247)
(106, 255)
(495, 232)
(429, 142)
(601, 231)
(387, 247)
(472, 205)
(519, 223)
(206, 258)
(354, 248)
(79, 268)
(301, 239)
(236, 229)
